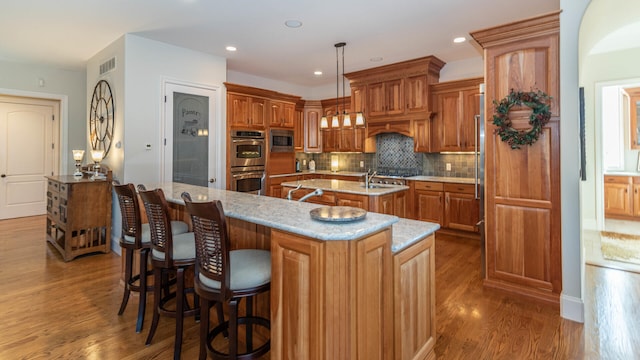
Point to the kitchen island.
(348, 290)
(385, 199)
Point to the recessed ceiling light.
(459, 39)
(317, 73)
(376, 59)
(231, 48)
(293, 23)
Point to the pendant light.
(346, 117)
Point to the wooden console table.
(79, 215)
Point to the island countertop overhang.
(281, 214)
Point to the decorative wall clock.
(101, 117)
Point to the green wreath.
(537, 101)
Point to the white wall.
(608, 68)
(571, 299)
(58, 84)
(143, 65)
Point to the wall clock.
(101, 117)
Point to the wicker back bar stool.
(226, 276)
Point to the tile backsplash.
(395, 155)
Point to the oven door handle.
(248, 175)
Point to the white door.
(27, 154)
(191, 154)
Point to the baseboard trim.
(572, 308)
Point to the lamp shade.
(359, 119)
(346, 120)
(96, 155)
(78, 155)
(324, 123)
(334, 163)
(335, 122)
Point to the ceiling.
(66, 33)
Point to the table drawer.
(53, 186)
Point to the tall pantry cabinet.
(522, 186)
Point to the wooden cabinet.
(312, 134)
(414, 301)
(523, 222)
(429, 201)
(461, 208)
(417, 94)
(622, 197)
(634, 113)
(386, 98)
(78, 215)
(246, 111)
(422, 135)
(457, 105)
(354, 200)
(282, 114)
(298, 131)
(275, 189)
(319, 286)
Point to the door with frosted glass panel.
(191, 153)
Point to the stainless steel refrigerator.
(479, 162)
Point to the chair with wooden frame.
(226, 276)
(169, 254)
(136, 236)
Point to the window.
(612, 128)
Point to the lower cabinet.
(275, 189)
(414, 301)
(622, 197)
(452, 205)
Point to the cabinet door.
(376, 99)
(400, 204)
(415, 301)
(467, 122)
(394, 97)
(275, 118)
(461, 211)
(312, 141)
(359, 201)
(238, 109)
(330, 140)
(416, 95)
(258, 113)
(447, 136)
(636, 200)
(288, 115)
(429, 206)
(347, 138)
(422, 135)
(617, 199)
(358, 94)
(385, 204)
(298, 131)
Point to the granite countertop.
(344, 186)
(281, 214)
(406, 232)
(293, 216)
(622, 173)
(443, 179)
(321, 172)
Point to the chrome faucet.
(290, 193)
(316, 192)
(367, 178)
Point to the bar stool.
(136, 237)
(169, 254)
(226, 276)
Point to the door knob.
(212, 180)
(3, 175)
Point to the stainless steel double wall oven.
(247, 158)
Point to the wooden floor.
(50, 309)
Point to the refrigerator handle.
(477, 171)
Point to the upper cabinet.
(254, 108)
(397, 91)
(634, 112)
(282, 114)
(246, 111)
(457, 108)
(298, 128)
(312, 137)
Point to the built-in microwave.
(281, 140)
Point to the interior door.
(193, 142)
(27, 154)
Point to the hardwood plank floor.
(50, 309)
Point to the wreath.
(539, 104)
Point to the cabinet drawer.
(428, 185)
(460, 188)
(613, 179)
(64, 191)
(53, 186)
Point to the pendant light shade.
(324, 123)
